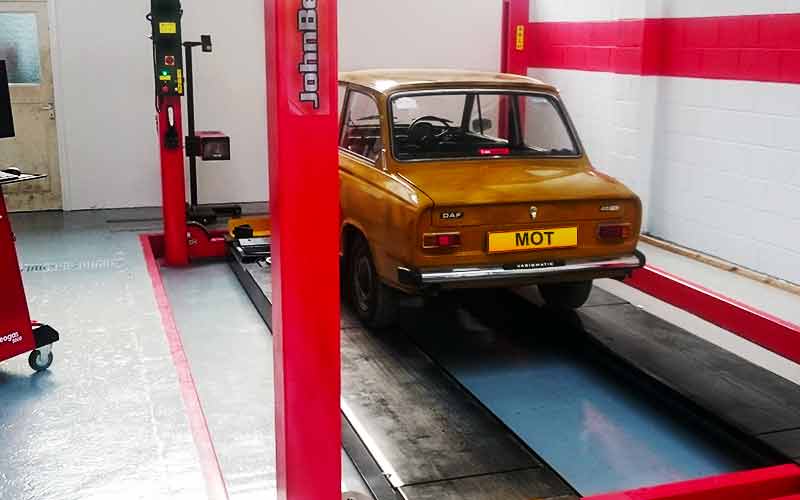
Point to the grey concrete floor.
(108, 420)
(230, 353)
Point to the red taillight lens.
(614, 232)
(448, 240)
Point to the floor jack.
(18, 334)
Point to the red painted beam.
(754, 48)
(768, 331)
(302, 97)
(763, 484)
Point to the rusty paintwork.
(392, 203)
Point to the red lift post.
(173, 183)
(183, 240)
(302, 97)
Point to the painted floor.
(108, 420)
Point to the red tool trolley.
(18, 334)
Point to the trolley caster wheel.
(40, 362)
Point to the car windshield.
(479, 124)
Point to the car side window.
(342, 97)
(361, 132)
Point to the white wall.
(106, 109)
(606, 10)
(717, 162)
(105, 94)
(460, 34)
(727, 175)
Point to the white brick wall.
(604, 10)
(727, 171)
(717, 162)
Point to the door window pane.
(362, 127)
(19, 47)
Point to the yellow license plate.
(539, 239)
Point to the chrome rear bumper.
(603, 268)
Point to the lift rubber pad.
(418, 480)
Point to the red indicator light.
(165, 89)
(494, 151)
(612, 232)
(449, 240)
(169, 60)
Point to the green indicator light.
(165, 73)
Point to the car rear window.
(464, 125)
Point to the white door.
(25, 46)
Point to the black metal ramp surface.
(436, 405)
(599, 422)
(425, 437)
(754, 401)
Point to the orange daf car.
(454, 179)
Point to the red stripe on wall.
(757, 48)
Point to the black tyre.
(375, 304)
(566, 295)
(38, 362)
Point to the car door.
(364, 197)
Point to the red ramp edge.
(759, 327)
(776, 483)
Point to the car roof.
(388, 81)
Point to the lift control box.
(165, 17)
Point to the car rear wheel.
(374, 303)
(566, 295)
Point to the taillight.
(614, 232)
(441, 240)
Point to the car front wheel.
(374, 303)
(566, 295)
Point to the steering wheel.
(422, 132)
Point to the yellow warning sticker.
(168, 28)
(165, 78)
(180, 81)
(520, 37)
